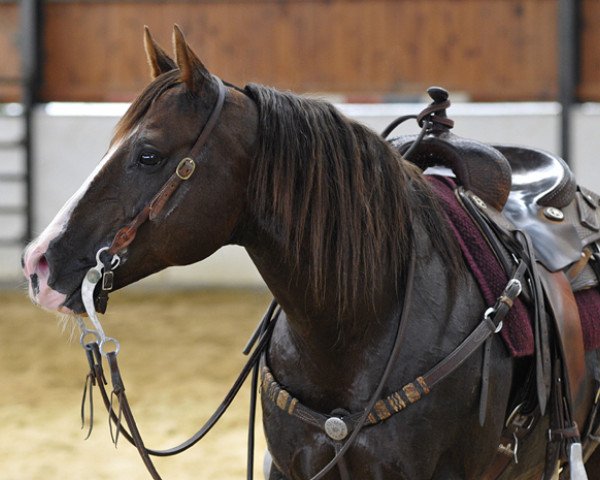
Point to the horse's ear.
(193, 72)
(158, 60)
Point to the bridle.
(97, 345)
(94, 340)
(109, 256)
(183, 172)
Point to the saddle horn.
(478, 167)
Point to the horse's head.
(163, 126)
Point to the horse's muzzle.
(36, 270)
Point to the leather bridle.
(183, 172)
(109, 256)
(107, 260)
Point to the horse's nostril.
(42, 266)
(23, 260)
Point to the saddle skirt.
(491, 277)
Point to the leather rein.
(97, 345)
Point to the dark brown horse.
(331, 215)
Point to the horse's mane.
(339, 195)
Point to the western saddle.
(528, 200)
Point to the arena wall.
(71, 138)
(492, 50)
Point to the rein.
(98, 345)
(96, 377)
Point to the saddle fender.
(563, 310)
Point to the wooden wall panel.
(492, 50)
(489, 49)
(10, 63)
(589, 82)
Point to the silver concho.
(479, 202)
(554, 213)
(336, 428)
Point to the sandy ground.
(179, 354)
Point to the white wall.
(70, 139)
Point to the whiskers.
(67, 322)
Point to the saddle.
(527, 194)
(534, 190)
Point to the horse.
(340, 227)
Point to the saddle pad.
(491, 279)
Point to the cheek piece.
(107, 258)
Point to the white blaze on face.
(35, 265)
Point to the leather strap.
(484, 330)
(119, 391)
(97, 372)
(570, 337)
(502, 236)
(412, 392)
(400, 335)
(183, 172)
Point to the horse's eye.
(149, 158)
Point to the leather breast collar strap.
(340, 424)
(183, 172)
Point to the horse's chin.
(73, 305)
(60, 310)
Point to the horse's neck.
(345, 354)
(323, 325)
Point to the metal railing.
(21, 144)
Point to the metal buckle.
(519, 421)
(488, 316)
(514, 282)
(186, 168)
